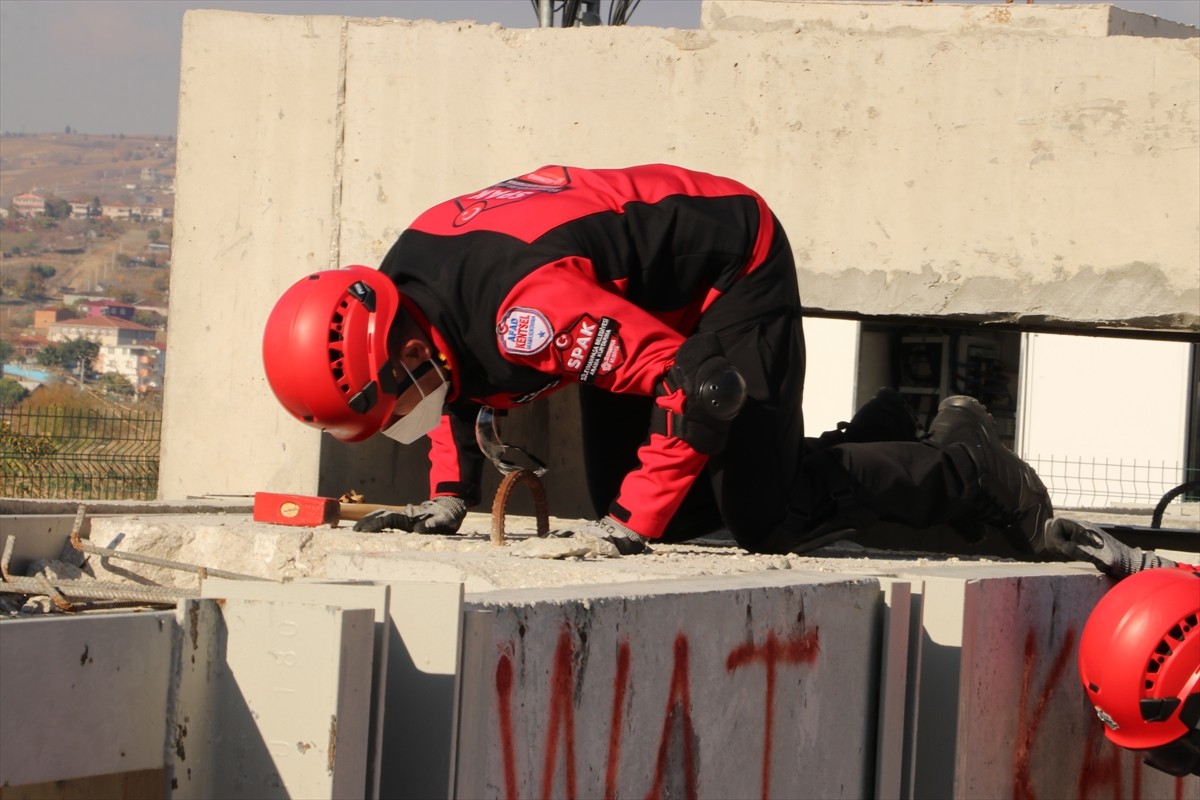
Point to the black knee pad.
(713, 389)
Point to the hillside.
(85, 255)
(81, 166)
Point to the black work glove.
(608, 530)
(1082, 542)
(439, 515)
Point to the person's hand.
(439, 515)
(608, 530)
(1082, 542)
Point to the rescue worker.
(1139, 654)
(669, 296)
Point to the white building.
(141, 365)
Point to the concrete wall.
(1011, 163)
(840, 674)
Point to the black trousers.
(770, 487)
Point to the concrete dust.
(274, 552)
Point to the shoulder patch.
(590, 348)
(523, 331)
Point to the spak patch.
(590, 348)
(523, 331)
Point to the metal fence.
(79, 454)
(1098, 483)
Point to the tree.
(57, 208)
(116, 383)
(11, 392)
(81, 353)
(154, 234)
(6, 351)
(73, 354)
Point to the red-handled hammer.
(307, 511)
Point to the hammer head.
(301, 510)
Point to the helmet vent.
(1166, 648)
(335, 325)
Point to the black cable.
(1160, 509)
(570, 12)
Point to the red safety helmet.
(325, 351)
(1139, 659)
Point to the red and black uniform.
(596, 277)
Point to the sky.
(112, 66)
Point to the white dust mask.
(425, 415)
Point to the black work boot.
(886, 417)
(1008, 494)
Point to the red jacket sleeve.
(560, 321)
(456, 465)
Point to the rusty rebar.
(541, 507)
(96, 590)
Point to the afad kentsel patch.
(523, 331)
(591, 348)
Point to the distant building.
(151, 176)
(148, 213)
(116, 211)
(141, 364)
(81, 209)
(29, 205)
(27, 347)
(43, 318)
(107, 308)
(107, 331)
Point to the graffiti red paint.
(801, 648)
(1102, 767)
(678, 718)
(1028, 724)
(620, 684)
(676, 745)
(562, 715)
(504, 682)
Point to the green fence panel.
(79, 454)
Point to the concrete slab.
(286, 696)
(340, 595)
(84, 695)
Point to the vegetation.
(73, 354)
(11, 392)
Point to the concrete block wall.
(690, 689)
(839, 677)
(1014, 163)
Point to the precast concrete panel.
(292, 701)
(1021, 642)
(1001, 712)
(920, 169)
(892, 775)
(256, 209)
(422, 702)
(195, 732)
(341, 595)
(758, 686)
(83, 695)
